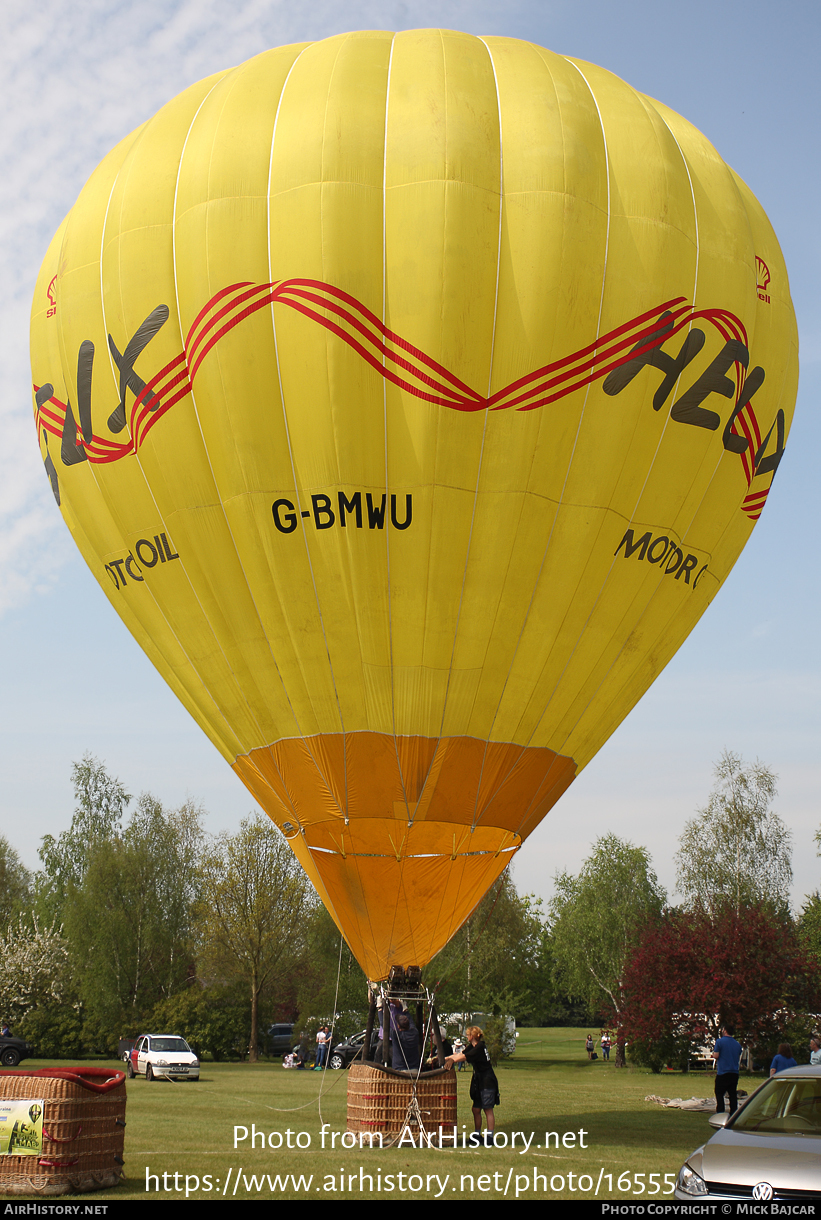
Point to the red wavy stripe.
(425, 378)
(591, 347)
(181, 393)
(55, 427)
(210, 304)
(681, 318)
(749, 414)
(54, 423)
(727, 325)
(392, 356)
(138, 416)
(475, 402)
(634, 353)
(104, 459)
(240, 317)
(192, 344)
(383, 370)
(478, 403)
(748, 456)
(390, 335)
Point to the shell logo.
(762, 279)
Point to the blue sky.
(76, 78)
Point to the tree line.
(666, 976)
(138, 919)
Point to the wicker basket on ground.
(387, 1103)
(83, 1129)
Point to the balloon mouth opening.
(384, 839)
(430, 855)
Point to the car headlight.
(690, 1182)
(161, 1062)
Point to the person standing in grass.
(484, 1087)
(727, 1054)
(321, 1047)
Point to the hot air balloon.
(411, 397)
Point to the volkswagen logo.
(762, 1190)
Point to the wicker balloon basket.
(65, 1129)
(392, 1104)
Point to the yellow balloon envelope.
(411, 396)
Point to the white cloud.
(74, 79)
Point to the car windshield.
(786, 1106)
(170, 1044)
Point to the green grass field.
(186, 1131)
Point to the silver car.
(769, 1150)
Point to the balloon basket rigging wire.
(399, 1106)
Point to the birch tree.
(255, 906)
(130, 919)
(100, 803)
(736, 852)
(596, 919)
(15, 884)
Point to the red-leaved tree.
(692, 971)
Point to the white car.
(162, 1055)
